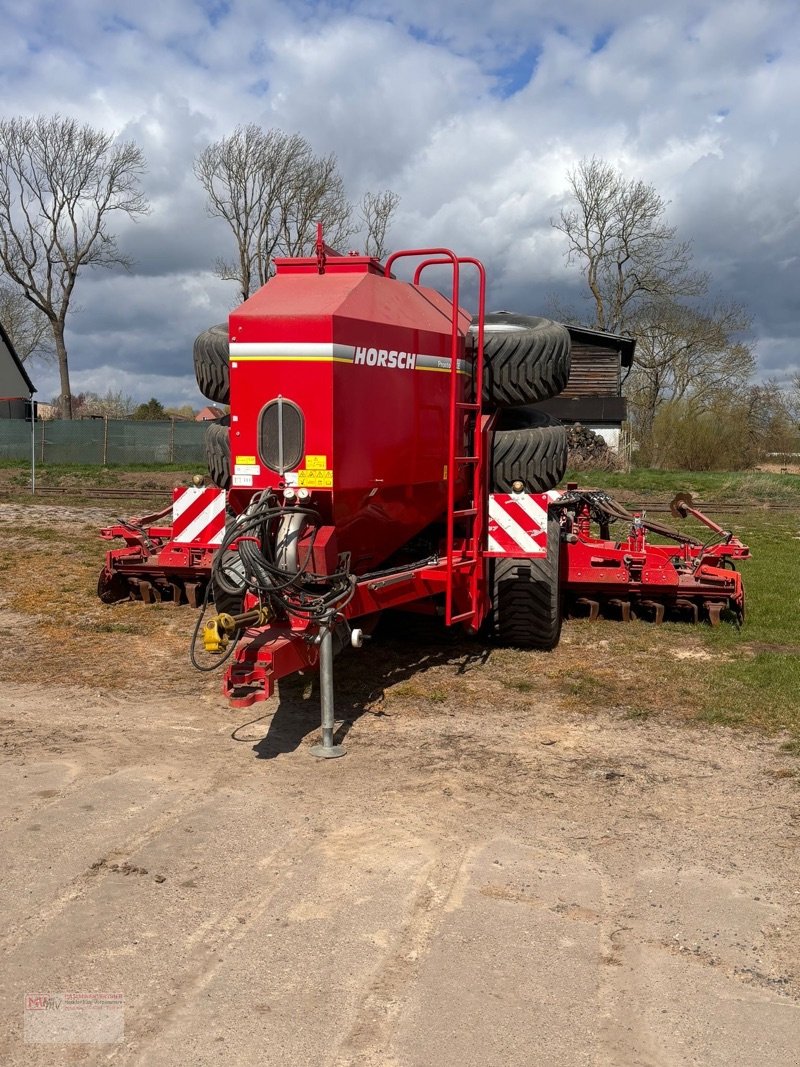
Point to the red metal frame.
(152, 567)
(633, 574)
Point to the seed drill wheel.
(526, 599)
(529, 447)
(217, 446)
(526, 359)
(211, 364)
(224, 599)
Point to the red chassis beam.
(266, 654)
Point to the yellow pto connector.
(219, 629)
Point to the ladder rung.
(466, 459)
(463, 563)
(462, 617)
(465, 513)
(467, 405)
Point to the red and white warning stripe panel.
(517, 525)
(198, 516)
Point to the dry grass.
(49, 564)
(49, 579)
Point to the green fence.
(103, 441)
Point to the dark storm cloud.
(472, 112)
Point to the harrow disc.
(112, 587)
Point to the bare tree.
(25, 324)
(243, 176)
(316, 194)
(687, 353)
(641, 282)
(377, 210)
(59, 183)
(793, 399)
(628, 253)
(271, 190)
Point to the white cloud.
(472, 112)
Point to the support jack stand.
(327, 749)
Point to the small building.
(209, 414)
(16, 388)
(593, 394)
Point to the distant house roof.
(14, 380)
(208, 414)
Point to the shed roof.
(624, 345)
(14, 380)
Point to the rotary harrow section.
(631, 577)
(167, 556)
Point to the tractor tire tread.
(526, 598)
(217, 447)
(211, 363)
(525, 364)
(535, 455)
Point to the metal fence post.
(42, 452)
(172, 440)
(33, 446)
(105, 440)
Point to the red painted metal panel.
(367, 359)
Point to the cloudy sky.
(472, 112)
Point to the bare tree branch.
(27, 326)
(59, 183)
(271, 190)
(376, 210)
(628, 253)
(687, 353)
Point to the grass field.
(737, 677)
(748, 677)
(724, 487)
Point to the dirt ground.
(489, 877)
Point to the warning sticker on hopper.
(315, 479)
(317, 463)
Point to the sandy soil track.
(487, 878)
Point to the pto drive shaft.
(220, 628)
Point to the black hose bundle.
(299, 592)
(603, 509)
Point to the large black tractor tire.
(525, 359)
(224, 600)
(529, 447)
(211, 364)
(526, 598)
(217, 445)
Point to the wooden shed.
(593, 394)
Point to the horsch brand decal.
(386, 357)
(357, 355)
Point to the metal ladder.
(466, 524)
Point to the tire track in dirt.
(368, 1039)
